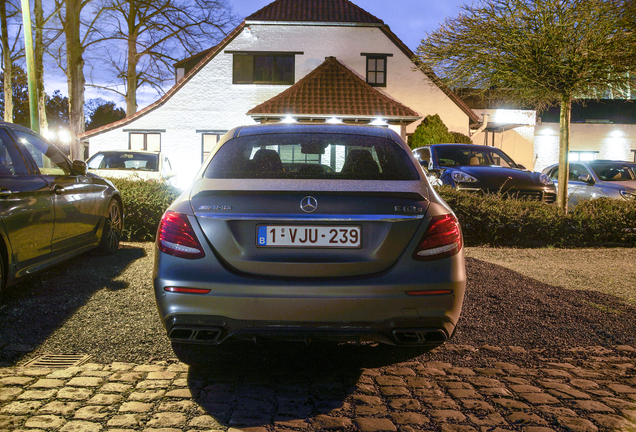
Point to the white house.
(315, 60)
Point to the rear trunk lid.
(347, 228)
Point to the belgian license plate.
(308, 236)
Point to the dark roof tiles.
(336, 11)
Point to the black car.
(483, 169)
(51, 209)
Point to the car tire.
(112, 229)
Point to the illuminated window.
(145, 141)
(208, 143)
(584, 156)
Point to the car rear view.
(303, 232)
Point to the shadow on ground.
(35, 308)
(285, 383)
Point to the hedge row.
(489, 219)
(144, 204)
(496, 220)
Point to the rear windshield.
(311, 156)
(613, 172)
(126, 161)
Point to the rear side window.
(48, 159)
(311, 156)
(127, 161)
(613, 172)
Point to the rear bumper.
(215, 330)
(371, 308)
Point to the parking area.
(528, 355)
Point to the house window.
(376, 69)
(208, 142)
(145, 141)
(582, 156)
(263, 68)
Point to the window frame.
(251, 75)
(145, 134)
(219, 134)
(368, 71)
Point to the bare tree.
(540, 52)
(156, 33)
(11, 51)
(80, 20)
(40, 46)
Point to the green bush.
(486, 219)
(432, 130)
(498, 220)
(145, 202)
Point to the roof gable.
(328, 11)
(334, 90)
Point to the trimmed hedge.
(145, 201)
(486, 219)
(497, 220)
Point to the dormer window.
(263, 68)
(376, 69)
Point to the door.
(26, 207)
(74, 198)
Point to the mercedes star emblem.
(308, 204)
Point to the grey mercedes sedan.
(303, 232)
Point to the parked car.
(483, 169)
(51, 209)
(308, 232)
(146, 165)
(600, 178)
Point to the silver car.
(599, 178)
(301, 232)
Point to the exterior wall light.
(288, 120)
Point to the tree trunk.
(8, 65)
(131, 67)
(39, 65)
(564, 152)
(131, 79)
(75, 75)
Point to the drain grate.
(58, 361)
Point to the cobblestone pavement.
(453, 388)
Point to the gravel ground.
(104, 306)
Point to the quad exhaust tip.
(195, 335)
(420, 336)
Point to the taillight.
(176, 237)
(443, 238)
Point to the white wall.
(518, 143)
(612, 141)
(209, 101)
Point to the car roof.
(279, 128)
(128, 151)
(470, 146)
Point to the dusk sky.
(410, 20)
